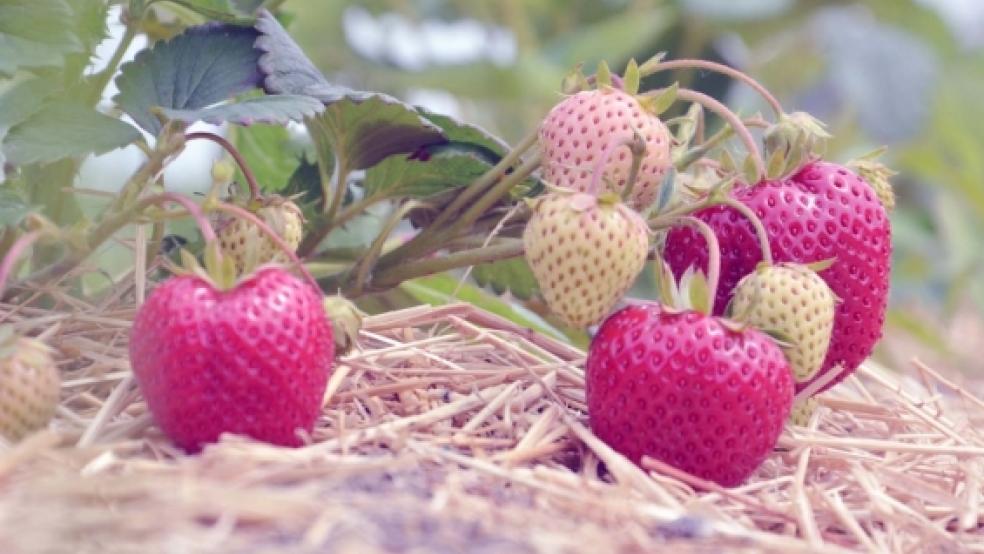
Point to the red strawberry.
(253, 360)
(823, 211)
(689, 390)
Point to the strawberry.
(792, 301)
(822, 212)
(585, 252)
(29, 385)
(248, 247)
(252, 360)
(576, 132)
(688, 389)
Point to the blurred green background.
(904, 73)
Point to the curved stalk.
(713, 257)
(10, 258)
(208, 233)
(636, 146)
(254, 187)
(760, 231)
(236, 211)
(733, 120)
(314, 238)
(723, 69)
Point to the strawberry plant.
(565, 219)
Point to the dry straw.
(449, 429)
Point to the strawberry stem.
(733, 120)
(713, 256)
(369, 259)
(254, 187)
(208, 233)
(720, 68)
(760, 232)
(271, 234)
(635, 145)
(10, 258)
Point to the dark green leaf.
(36, 33)
(513, 275)
(426, 172)
(202, 66)
(13, 208)
(362, 128)
(275, 109)
(65, 129)
(267, 150)
(230, 11)
(457, 131)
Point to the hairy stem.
(733, 120)
(236, 211)
(713, 257)
(314, 238)
(455, 260)
(13, 254)
(208, 233)
(723, 69)
(760, 232)
(254, 187)
(368, 260)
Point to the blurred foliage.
(877, 71)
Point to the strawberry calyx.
(878, 175)
(346, 319)
(795, 140)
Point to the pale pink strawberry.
(577, 131)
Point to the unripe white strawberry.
(29, 386)
(249, 247)
(576, 132)
(802, 411)
(793, 302)
(585, 252)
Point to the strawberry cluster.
(773, 274)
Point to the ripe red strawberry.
(689, 390)
(576, 132)
(253, 360)
(823, 211)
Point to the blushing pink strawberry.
(253, 360)
(689, 390)
(823, 211)
(576, 132)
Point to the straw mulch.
(451, 430)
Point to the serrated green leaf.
(426, 172)
(22, 100)
(229, 11)
(441, 289)
(466, 133)
(277, 109)
(65, 129)
(89, 18)
(13, 208)
(198, 68)
(267, 150)
(36, 33)
(513, 275)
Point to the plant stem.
(733, 120)
(698, 152)
(341, 184)
(368, 260)
(489, 199)
(724, 69)
(760, 231)
(101, 79)
(455, 260)
(635, 145)
(208, 233)
(713, 257)
(254, 187)
(314, 238)
(236, 211)
(10, 258)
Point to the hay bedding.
(452, 430)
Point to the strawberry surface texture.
(822, 212)
(253, 360)
(686, 389)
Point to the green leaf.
(513, 275)
(277, 109)
(89, 17)
(13, 208)
(198, 68)
(444, 288)
(36, 33)
(65, 129)
(267, 150)
(458, 131)
(22, 100)
(229, 11)
(426, 172)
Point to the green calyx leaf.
(603, 75)
(575, 81)
(795, 138)
(649, 66)
(877, 175)
(661, 101)
(630, 79)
